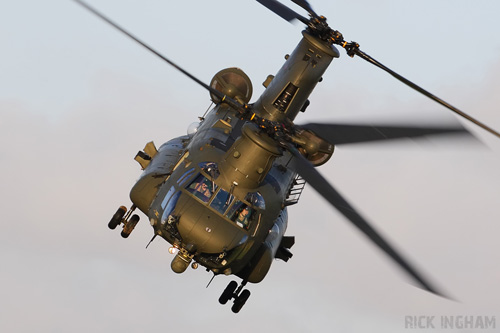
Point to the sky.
(78, 100)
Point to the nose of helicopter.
(206, 230)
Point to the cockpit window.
(256, 200)
(222, 201)
(210, 168)
(202, 188)
(170, 207)
(241, 214)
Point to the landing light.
(173, 250)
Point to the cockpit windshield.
(222, 201)
(240, 212)
(202, 188)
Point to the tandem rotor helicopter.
(219, 195)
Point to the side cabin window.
(202, 188)
(170, 207)
(256, 200)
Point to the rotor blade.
(282, 11)
(344, 133)
(368, 58)
(217, 93)
(304, 4)
(321, 185)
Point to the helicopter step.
(295, 191)
(125, 217)
(233, 291)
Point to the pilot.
(203, 191)
(243, 216)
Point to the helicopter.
(219, 195)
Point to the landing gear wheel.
(117, 218)
(130, 225)
(228, 293)
(240, 301)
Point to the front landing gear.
(124, 216)
(233, 291)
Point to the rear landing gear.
(122, 216)
(233, 291)
(240, 301)
(228, 293)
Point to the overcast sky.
(78, 100)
